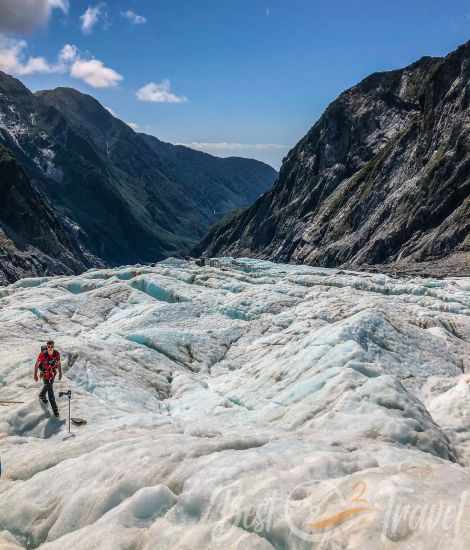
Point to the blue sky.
(240, 77)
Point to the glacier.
(242, 404)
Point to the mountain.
(125, 197)
(249, 406)
(382, 179)
(33, 240)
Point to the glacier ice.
(247, 405)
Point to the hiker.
(48, 363)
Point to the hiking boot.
(56, 414)
(43, 400)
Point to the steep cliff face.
(33, 241)
(125, 197)
(383, 177)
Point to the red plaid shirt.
(48, 364)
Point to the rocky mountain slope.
(250, 406)
(125, 197)
(383, 178)
(33, 240)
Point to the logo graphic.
(329, 511)
(339, 518)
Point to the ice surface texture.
(249, 406)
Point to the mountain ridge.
(129, 197)
(346, 193)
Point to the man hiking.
(48, 363)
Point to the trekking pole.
(69, 395)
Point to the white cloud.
(94, 73)
(134, 17)
(31, 14)
(159, 93)
(271, 153)
(134, 126)
(233, 147)
(61, 4)
(91, 17)
(36, 65)
(13, 60)
(68, 53)
(111, 111)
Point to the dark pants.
(49, 389)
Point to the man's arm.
(36, 367)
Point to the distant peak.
(66, 91)
(9, 84)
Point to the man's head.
(50, 346)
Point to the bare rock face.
(33, 240)
(381, 179)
